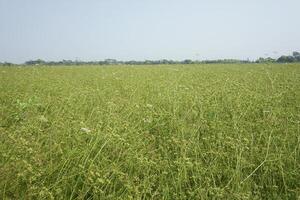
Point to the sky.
(149, 29)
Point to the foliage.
(283, 59)
(132, 62)
(288, 59)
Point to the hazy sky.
(147, 29)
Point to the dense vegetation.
(295, 57)
(224, 131)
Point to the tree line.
(295, 57)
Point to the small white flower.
(149, 105)
(147, 120)
(86, 130)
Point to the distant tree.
(296, 56)
(110, 61)
(265, 60)
(164, 61)
(187, 61)
(7, 64)
(260, 60)
(35, 62)
(286, 59)
(67, 62)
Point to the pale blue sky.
(148, 29)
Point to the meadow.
(214, 131)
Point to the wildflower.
(149, 105)
(43, 119)
(86, 130)
(147, 120)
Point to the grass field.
(150, 132)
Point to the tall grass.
(150, 132)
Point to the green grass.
(150, 132)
